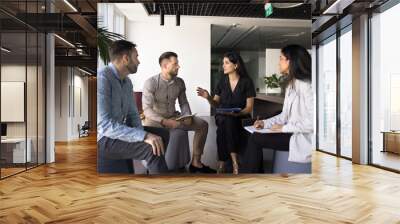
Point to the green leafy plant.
(104, 40)
(273, 81)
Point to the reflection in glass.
(13, 85)
(327, 96)
(346, 94)
(385, 86)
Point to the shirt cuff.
(266, 124)
(141, 135)
(285, 128)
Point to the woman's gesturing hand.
(203, 93)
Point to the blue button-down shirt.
(117, 114)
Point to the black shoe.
(204, 169)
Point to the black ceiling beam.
(225, 9)
(81, 61)
(49, 22)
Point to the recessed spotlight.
(70, 5)
(64, 40)
(5, 50)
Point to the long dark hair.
(300, 63)
(235, 58)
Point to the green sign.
(268, 9)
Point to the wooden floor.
(387, 159)
(70, 191)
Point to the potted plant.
(104, 39)
(273, 84)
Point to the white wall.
(69, 82)
(271, 64)
(61, 103)
(272, 61)
(262, 71)
(191, 43)
(17, 73)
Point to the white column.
(50, 94)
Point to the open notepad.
(252, 129)
(185, 117)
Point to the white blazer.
(297, 117)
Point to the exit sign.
(268, 9)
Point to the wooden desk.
(13, 150)
(267, 105)
(391, 141)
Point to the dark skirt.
(231, 136)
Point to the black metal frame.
(369, 125)
(338, 98)
(44, 79)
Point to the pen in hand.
(257, 124)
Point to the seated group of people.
(122, 136)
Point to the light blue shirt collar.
(114, 71)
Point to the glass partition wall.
(22, 77)
(334, 94)
(327, 95)
(345, 62)
(385, 90)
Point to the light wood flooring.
(70, 191)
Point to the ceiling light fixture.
(178, 17)
(84, 71)
(244, 35)
(70, 5)
(154, 7)
(64, 40)
(161, 18)
(286, 5)
(293, 34)
(5, 50)
(225, 35)
(337, 7)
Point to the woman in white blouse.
(292, 129)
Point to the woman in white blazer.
(292, 129)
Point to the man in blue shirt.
(120, 131)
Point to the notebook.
(252, 129)
(184, 117)
(228, 110)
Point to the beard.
(132, 68)
(173, 73)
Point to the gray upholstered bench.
(281, 164)
(177, 154)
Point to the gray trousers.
(117, 149)
(200, 128)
